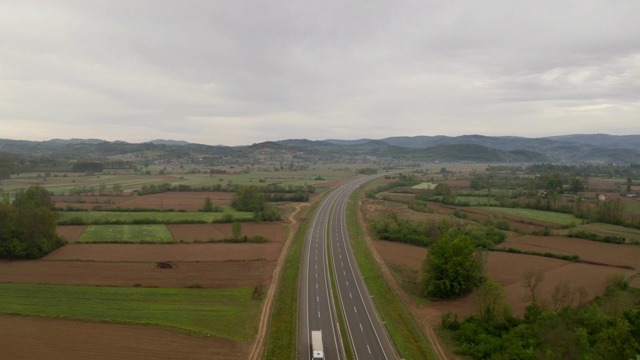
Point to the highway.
(317, 310)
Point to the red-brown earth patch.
(40, 338)
(275, 232)
(401, 254)
(168, 252)
(603, 253)
(71, 233)
(508, 270)
(219, 274)
(188, 201)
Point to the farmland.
(126, 234)
(100, 217)
(540, 235)
(224, 313)
(206, 299)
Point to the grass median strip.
(225, 313)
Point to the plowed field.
(169, 252)
(39, 338)
(610, 254)
(508, 270)
(204, 232)
(219, 274)
(188, 201)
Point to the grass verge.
(283, 328)
(401, 327)
(224, 313)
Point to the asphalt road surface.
(317, 310)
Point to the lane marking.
(368, 348)
(361, 329)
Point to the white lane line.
(361, 329)
(368, 348)
(318, 300)
(344, 273)
(316, 285)
(319, 316)
(350, 295)
(354, 309)
(346, 282)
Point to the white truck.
(316, 345)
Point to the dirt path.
(257, 348)
(406, 300)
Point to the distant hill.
(169, 142)
(597, 148)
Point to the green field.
(634, 209)
(225, 313)
(425, 186)
(476, 200)
(165, 217)
(138, 234)
(548, 216)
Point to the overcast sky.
(239, 72)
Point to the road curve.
(365, 331)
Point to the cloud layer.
(237, 72)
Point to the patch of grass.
(425, 186)
(547, 216)
(153, 217)
(403, 330)
(634, 209)
(225, 313)
(132, 234)
(407, 278)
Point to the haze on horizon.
(238, 72)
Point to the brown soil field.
(275, 232)
(188, 201)
(40, 338)
(219, 274)
(508, 270)
(380, 209)
(71, 233)
(610, 254)
(167, 252)
(401, 254)
(457, 184)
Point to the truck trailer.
(316, 345)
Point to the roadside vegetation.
(409, 340)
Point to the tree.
(490, 300)
(28, 225)
(236, 230)
(532, 279)
(452, 267)
(208, 205)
